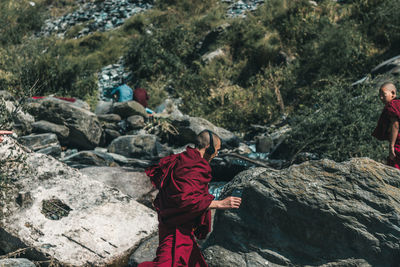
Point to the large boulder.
(22, 121)
(189, 127)
(39, 141)
(84, 128)
(62, 213)
(112, 118)
(103, 107)
(144, 146)
(129, 108)
(42, 126)
(318, 213)
(132, 183)
(145, 252)
(135, 122)
(84, 159)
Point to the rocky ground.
(77, 194)
(95, 16)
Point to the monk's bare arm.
(394, 131)
(2, 133)
(227, 203)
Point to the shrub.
(19, 19)
(339, 125)
(379, 20)
(338, 50)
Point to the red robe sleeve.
(391, 110)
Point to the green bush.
(339, 125)
(19, 19)
(162, 52)
(338, 50)
(379, 20)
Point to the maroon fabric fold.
(391, 110)
(183, 197)
(140, 95)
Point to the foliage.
(379, 21)
(340, 123)
(286, 56)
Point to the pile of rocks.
(239, 8)
(117, 134)
(111, 76)
(97, 16)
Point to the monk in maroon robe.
(140, 95)
(388, 123)
(183, 203)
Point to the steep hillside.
(290, 59)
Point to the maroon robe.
(382, 131)
(140, 95)
(182, 206)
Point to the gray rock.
(84, 128)
(113, 118)
(109, 125)
(217, 256)
(136, 146)
(89, 158)
(132, 183)
(135, 122)
(61, 131)
(264, 144)
(189, 127)
(5, 95)
(21, 262)
(110, 135)
(54, 150)
(103, 107)
(102, 226)
(145, 252)
(39, 141)
(21, 121)
(212, 55)
(316, 213)
(130, 162)
(129, 108)
(391, 65)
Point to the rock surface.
(189, 127)
(97, 16)
(136, 146)
(316, 213)
(84, 128)
(42, 126)
(129, 108)
(39, 141)
(21, 262)
(76, 220)
(132, 183)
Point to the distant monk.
(183, 203)
(122, 93)
(4, 133)
(388, 123)
(140, 95)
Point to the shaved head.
(388, 86)
(203, 139)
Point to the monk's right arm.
(227, 203)
(2, 133)
(394, 131)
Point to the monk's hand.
(3, 133)
(227, 203)
(392, 153)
